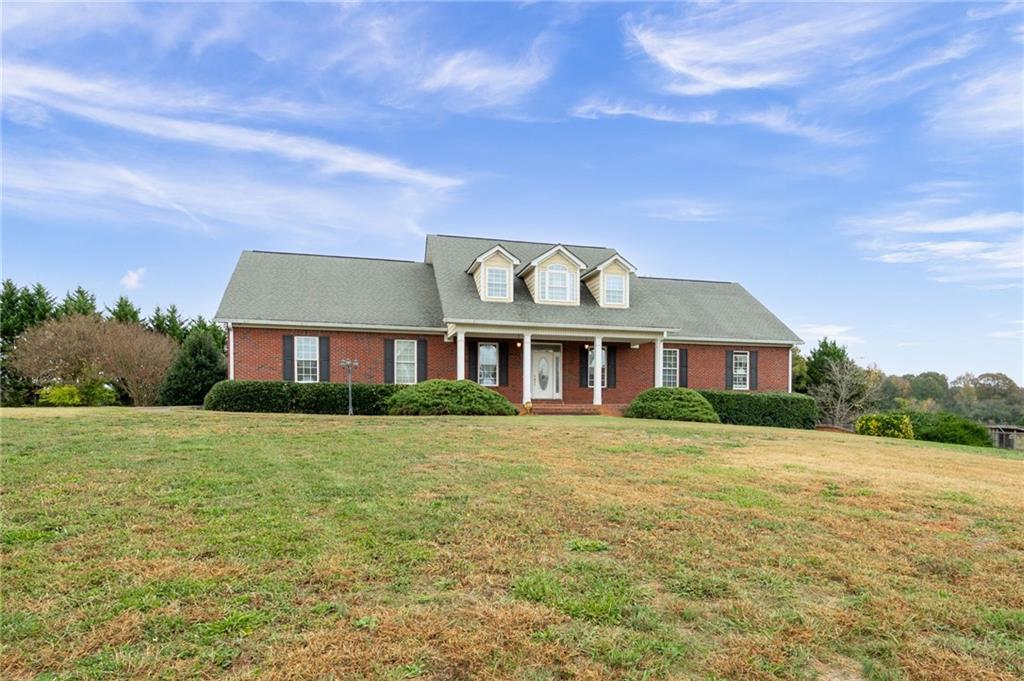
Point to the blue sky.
(856, 167)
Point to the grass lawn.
(155, 544)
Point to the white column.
(597, 369)
(790, 389)
(659, 357)
(527, 369)
(460, 355)
(231, 351)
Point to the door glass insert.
(543, 373)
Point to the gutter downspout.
(231, 352)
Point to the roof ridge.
(342, 257)
(523, 241)
(701, 281)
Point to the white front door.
(547, 373)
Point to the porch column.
(659, 358)
(527, 369)
(460, 355)
(231, 351)
(597, 369)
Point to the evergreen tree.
(799, 371)
(38, 305)
(177, 326)
(220, 337)
(818, 361)
(78, 302)
(198, 365)
(124, 311)
(11, 313)
(157, 321)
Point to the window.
(405, 361)
(604, 367)
(614, 289)
(497, 282)
(670, 368)
(740, 370)
(487, 364)
(554, 283)
(307, 359)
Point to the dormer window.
(614, 289)
(554, 284)
(497, 282)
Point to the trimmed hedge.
(672, 404)
(368, 399)
(439, 397)
(781, 410)
(885, 425)
(950, 428)
(67, 395)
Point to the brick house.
(548, 324)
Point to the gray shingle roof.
(331, 290)
(717, 310)
(451, 255)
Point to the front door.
(547, 373)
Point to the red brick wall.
(258, 357)
(706, 366)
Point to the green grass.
(184, 544)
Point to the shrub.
(438, 397)
(98, 394)
(885, 425)
(307, 398)
(60, 396)
(198, 365)
(674, 404)
(781, 410)
(950, 428)
(262, 396)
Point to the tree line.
(844, 390)
(71, 352)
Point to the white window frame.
(480, 365)
(608, 278)
(298, 340)
(736, 354)
(415, 361)
(545, 283)
(665, 353)
(604, 366)
(505, 283)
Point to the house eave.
(291, 324)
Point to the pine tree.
(220, 337)
(176, 325)
(157, 321)
(11, 312)
(78, 302)
(124, 311)
(38, 305)
(198, 365)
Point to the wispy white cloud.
(780, 119)
(987, 105)
(739, 47)
(1017, 332)
(484, 80)
(132, 279)
(837, 332)
(86, 99)
(603, 108)
(990, 10)
(916, 222)
(681, 209)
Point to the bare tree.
(81, 349)
(845, 391)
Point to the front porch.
(551, 372)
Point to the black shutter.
(503, 363)
(728, 370)
(611, 366)
(325, 359)
(288, 359)
(472, 373)
(753, 369)
(683, 378)
(421, 359)
(389, 360)
(584, 359)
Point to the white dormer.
(553, 277)
(609, 282)
(493, 271)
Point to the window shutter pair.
(389, 360)
(585, 366)
(751, 370)
(288, 358)
(473, 371)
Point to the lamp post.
(349, 365)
